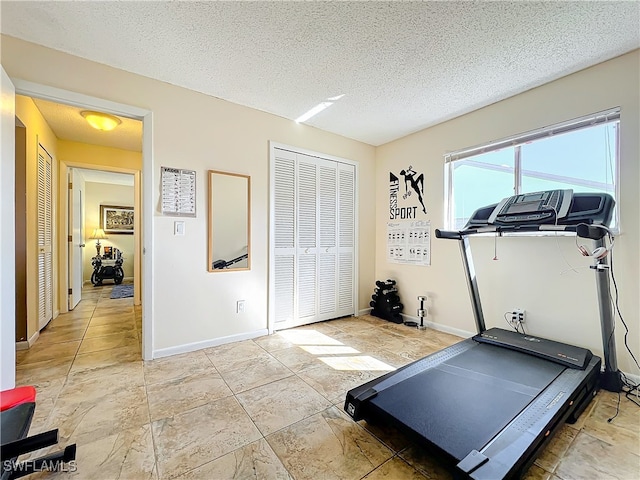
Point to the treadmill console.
(532, 208)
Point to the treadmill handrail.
(499, 229)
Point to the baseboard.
(441, 328)
(192, 347)
(26, 344)
(365, 311)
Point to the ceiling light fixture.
(101, 121)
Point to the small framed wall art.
(115, 220)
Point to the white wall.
(531, 273)
(197, 132)
(97, 194)
(7, 238)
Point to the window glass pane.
(480, 181)
(583, 160)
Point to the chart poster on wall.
(409, 242)
(406, 194)
(178, 192)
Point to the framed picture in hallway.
(116, 220)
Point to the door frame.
(64, 190)
(356, 239)
(72, 216)
(144, 246)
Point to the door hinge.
(70, 186)
(70, 291)
(70, 239)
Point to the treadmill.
(489, 404)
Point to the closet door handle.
(306, 250)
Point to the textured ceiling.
(67, 124)
(402, 66)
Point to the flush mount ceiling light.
(101, 121)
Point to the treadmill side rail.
(515, 448)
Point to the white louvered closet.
(313, 226)
(45, 237)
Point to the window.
(581, 154)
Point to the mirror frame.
(210, 227)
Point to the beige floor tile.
(30, 373)
(233, 355)
(94, 383)
(281, 403)
(110, 329)
(61, 334)
(127, 454)
(178, 395)
(176, 367)
(334, 384)
(589, 457)
(623, 431)
(549, 458)
(395, 469)
(68, 321)
(297, 359)
(254, 461)
(200, 435)
(50, 352)
(273, 342)
(107, 306)
(328, 445)
(251, 374)
(107, 342)
(108, 319)
(84, 420)
(104, 358)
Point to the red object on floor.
(15, 396)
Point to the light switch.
(178, 228)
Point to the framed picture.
(115, 219)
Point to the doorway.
(144, 269)
(90, 191)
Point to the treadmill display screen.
(533, 198)
(522, 207)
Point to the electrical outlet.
(518, 315)
(240, 306)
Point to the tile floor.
(269, 408)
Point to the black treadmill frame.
(515, 447)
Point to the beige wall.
(86, 155)
(531, 273)
(198, 132)
(38, 131)
(97, 194)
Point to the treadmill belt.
(462, 403)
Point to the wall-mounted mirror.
(229, 221)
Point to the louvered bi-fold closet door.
(307, 241)
(284, 238)
(346, 295)
(327, 257)
(45, 237)
(314, 239)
